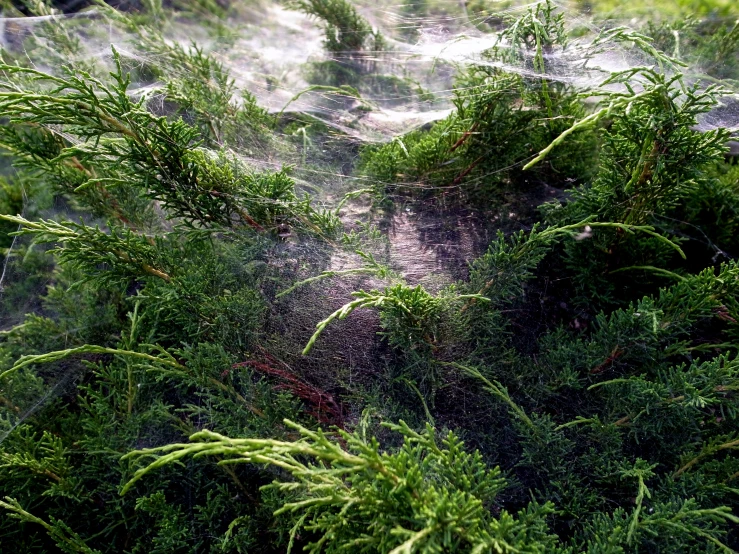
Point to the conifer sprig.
(426, 497)
(124, 252)
(156, 154)
(502, 271)
(65, 538)
(115, 130)
(659, 90)
(163, 358)
(412, 309)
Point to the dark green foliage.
(118, 381)
(574, 391)
(651, 155)
(710, 213)
(652, 160)
(85, 248)
(37, 156)
(11, 201)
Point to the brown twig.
(470, 167)
(464, 137)
(324, 408)
(616, 353)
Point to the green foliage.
(710, 210)
(65, 539)
(203, 89)
(11, 201)
(652, 159)
(711, 45)
(428, 496)
(51, 40)
(500, 118)
(163, 278)
(346, 31)
(37, 154)
(410, 315)
(156, 154)
(85, 248)
(651, 154)
(502, 271)
(45, 455)
(200, 86)
(349, 39)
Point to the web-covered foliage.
(501, 117)
(218, 334)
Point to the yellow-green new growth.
(428, 496)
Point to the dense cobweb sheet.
(272, 53)
(513, 223)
